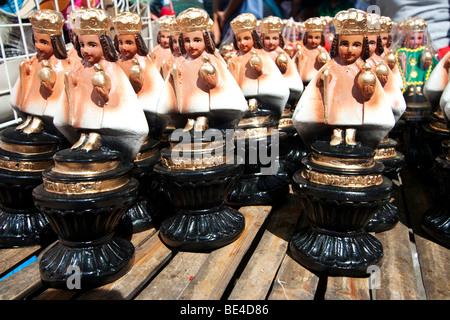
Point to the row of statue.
(102, 122)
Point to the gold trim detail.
(77, 168)
(254, 121)
(346, 181)
(25, 149)
(347, 164)
(141, 156)
(384, 153)
(285, 122)
(14, 165)
(188, 163)
(84, 187)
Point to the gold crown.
(93, 21)
(351, 21)
(193, 19)
(315, 24)
(386, 24)
(373, 23)
(164, 23)
(127, 23)
(243, 22)
(415, 24)
(174, 28)
(47, 21)
(271, 24)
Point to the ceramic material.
(342, 116)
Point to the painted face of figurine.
(164, 37)
(271, 41)
(350, 47)
(43, 45)
(91, 49)
(372, 43)
(245, 41)
(313, 39)
(415, 40)
(175, 46)
(194, 43)
(127, 46)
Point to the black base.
(339, 254)
(257, 189)
(95, 264)
(436, 223)
(336, 241)
(200, 221)
(386, 218)
(202, 231)
(21, 223)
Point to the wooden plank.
(13, 257)
(23, 282)
(293, 282)
(434, 262)
(258, 275)
(174, 278)
(347, 288)
(215, 274)
(397, 275)
(150, 256)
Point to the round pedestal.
(436, 222)
(83, 197)
(292, 149)
(23, 157)
(387, 215)
(341, 188)
(142, 214)
(263, 181)
(201, 220)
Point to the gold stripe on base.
(24, 166)
(24, 149)
(360, 181)
(347, 164)
(84, 187)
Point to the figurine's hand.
(47, 87)
(103, 93)
(383, 79)
(136, 83)
(368, 91)
(282, 66)
(210, 80)
(427, 63)
(258, 68)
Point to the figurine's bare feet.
(35, 126)
(80, 141)
(24, 124)
(189, 125)
(336, 138)
(92, 143)
(350, 137)
(201, 124)
(252, 104)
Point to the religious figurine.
(415, 61)
(28, 149)
(342, 116)
(258, 76)
(387, 216)
(204, 103)
(147, 82)
(267, 93)
(161, 53)
(90, 187)
(388, 54)
(434, 87)
(312, 55)
(273, 41)
(436, 221)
